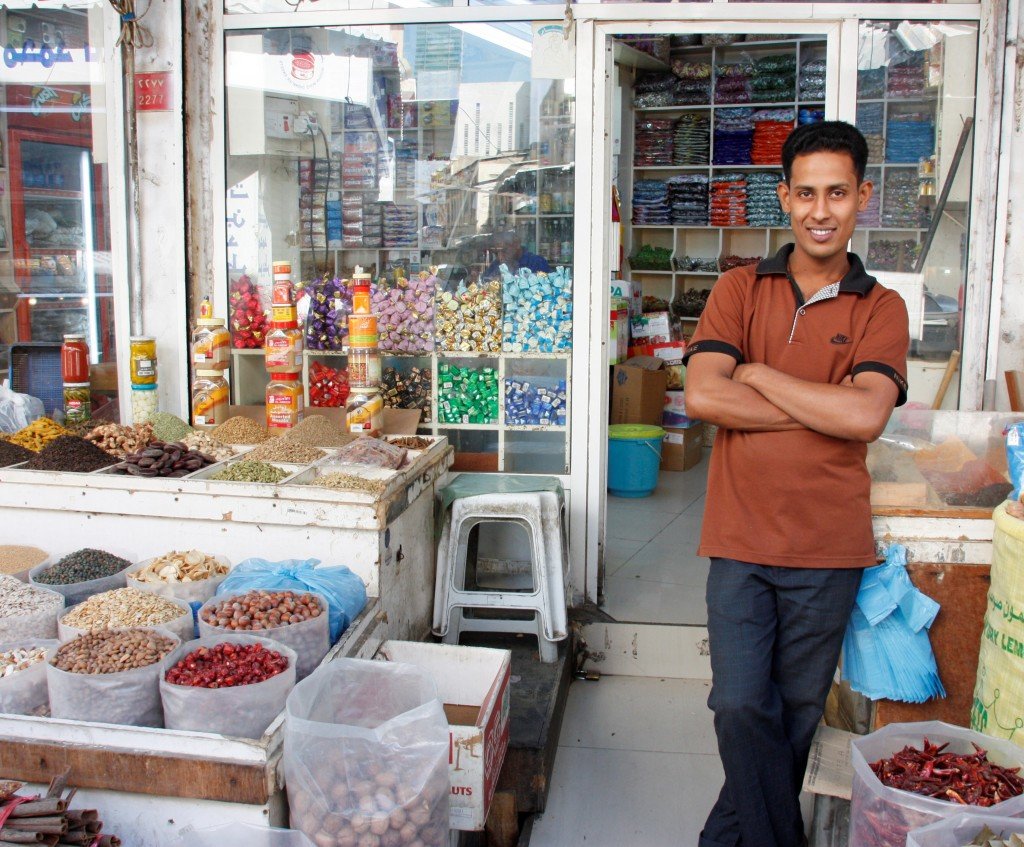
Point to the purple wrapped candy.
(405, 313)
(330, 304)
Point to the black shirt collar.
(856, 280)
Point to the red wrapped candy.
(328, 387)
(248, 321)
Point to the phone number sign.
(153, 92)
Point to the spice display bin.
(174, 777)
(207, 473)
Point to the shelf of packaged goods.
(779, 104)
(767, 166)
(51, 194)
(750, 45)
(491, 427)
(629, 56)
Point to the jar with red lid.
(74, 359)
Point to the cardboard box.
(618, 332)
(632, 292)
(473, 684)
(638, 391)
(652, 328)
(682, 448)
(673, 412)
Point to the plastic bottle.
(284, 402)
(209, 399)
(364, 412)
(211, 341)
(282, 348)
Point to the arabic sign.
(49, 106)
(153, 91)
(44, 54)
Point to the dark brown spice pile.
(70, 453)
(12, 454)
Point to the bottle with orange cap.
(282, 346)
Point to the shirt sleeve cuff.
(711, 345)
(886, 370)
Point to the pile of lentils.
(70, 454)
(112, 650)
(13, 454)
(247, 471)
(82, 566)
(240, 430)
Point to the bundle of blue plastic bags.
(886, 651)
(343, 590)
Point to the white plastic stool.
(542, 515)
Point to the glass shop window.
(439, 159)
(55, 269)
(916, 104)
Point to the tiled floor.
(652, 571)
(636, 766)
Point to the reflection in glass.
(434, 158)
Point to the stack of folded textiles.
(691, 142)
(732, 83)
(688, 199)
(771, 129)
(871, 122)
(729, 199)
(812, 80)
(650, 203)
(734, 136)
(774, 79)
(763, 207)
(694, 85)
(909, 137)
(900, 207)
(872, 214)
(652, 145)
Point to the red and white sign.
(154, 92)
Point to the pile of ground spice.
(72, 454)
(240, 430)
(317, 431)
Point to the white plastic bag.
(39, 624)
(963, 829)
(17, 411)
(366, 752)
(182, 627)
(24, 692)
(881, 816)
(130, 697)
(241, 835)
(197, 592)
(310, 639)
(243, 711)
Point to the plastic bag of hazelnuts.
(366, 756)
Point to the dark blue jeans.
(775, 636)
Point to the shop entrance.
(696, 121)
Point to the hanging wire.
(133, 33)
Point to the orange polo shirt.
(797, 498)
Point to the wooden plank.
(142, 773)
(962, 592)
(503, 821)
(951, 512)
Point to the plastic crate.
(35, 369)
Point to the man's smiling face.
(823, 197)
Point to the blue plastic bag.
(886, 651)
(343, 590)
(1015, 458)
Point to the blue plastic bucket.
(634, 455)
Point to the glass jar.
(77, 402)
(144, 403)
(209, 399)
(143, 360)
(74, 359)
(282, 349)
(211, 341)
(284, 402)
(364, 369)
(364, 412)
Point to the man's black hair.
(826, 137)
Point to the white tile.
(618, 551)
(612, 798)
(676, 563)
(651, 650)
(632, 599)
(637, 713)
(634, 522)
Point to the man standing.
(509, 251)
(800, 362)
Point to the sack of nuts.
(366, 756)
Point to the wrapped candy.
(328, 387)
(538, 311)
(405, 313)
(330, 304)
(248, 320)
(469, 321)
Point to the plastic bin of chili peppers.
(909, 775)
(231, 684)
(328, 387)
